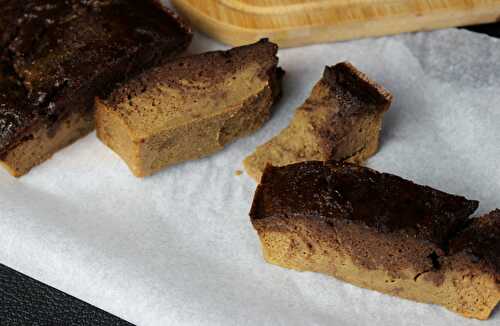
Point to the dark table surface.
(25, 301)
(489, 29)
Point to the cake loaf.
(381, 232)
(59, 55)
(190, 107)
(341, 120)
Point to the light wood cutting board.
(299, 22)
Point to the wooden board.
(299, 22)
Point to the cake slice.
(381, 232)
(60, 55)
(341, 120)
(190, 107)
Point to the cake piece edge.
(454, 279)
(252, 113)
(327, 138)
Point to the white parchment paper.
(178, 248)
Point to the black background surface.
(490, 29)
(25, 301)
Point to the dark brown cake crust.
(480, 242)
(11, 11)
(356, 89)
(14, 110)
(211, 66)
(342, 191)
(60, 54)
